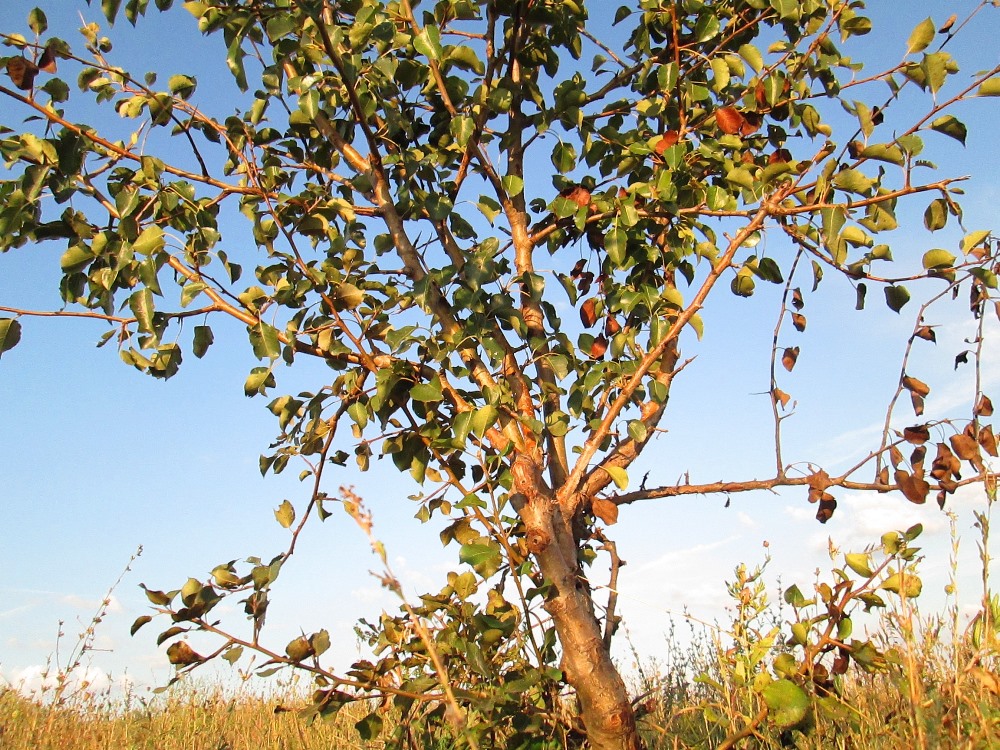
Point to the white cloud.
(41, 680)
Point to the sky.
(97, 460)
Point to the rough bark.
(605, 707)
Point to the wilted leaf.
(915, 386)
(300, 648)
(789, 357)
(988, 440)
(605, 509)
(926, 333)
(914, 488)
(588, 312)
(799, 321)
(916, 435)
(945, 463)
(729, 120)
(826, 508)
(181, 654)
(966, 447)
(780, 397)
(139, 622)
(599, 347)
(984, 407)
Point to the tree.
(385, 156)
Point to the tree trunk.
(605, 707)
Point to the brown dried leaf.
(780, 156)
(945, 464)
(47, 61)
(883, 476)
(916, 386)
(22, 72)
(578, 268)
(826, 507)
(966, 448)
(751, 123)
(918, 404)
(668, 139)
(799, 321)
(797, 302)
(988, 440)
(729, 120)
(984, 407)
(895, 456)
(790, 357)
(926, 333)
(606, 510)
(917, 434)
(578, 194)
(780, 397)
(611, 325)
(598, 348)
(182, 655)
(588, 312)
(917, 459)
(914, 488)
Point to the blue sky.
(97, 459)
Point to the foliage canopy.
(386, 156)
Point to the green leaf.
(920, 37)
(637, 430)
(788, 703)
(896, 297)
(150, 240)
(427, 391)
(615, 244)
(348, 296)
(989, 87)
(859, 562)
(369, 727)
(110, 8)
(974, 239)
(265, 341)
(887, 152)
(618, 475)
(428, 43)
(285, 514)
(141, 305)
(485, 559)
(258, 381)
(951, 126)
(203, 338)
(936, 215)
(937, 258)
(513, 184)
(482, 419)
(37, 21)
(10, 334)
(853, 181)
(904, 584)
(564, 157)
